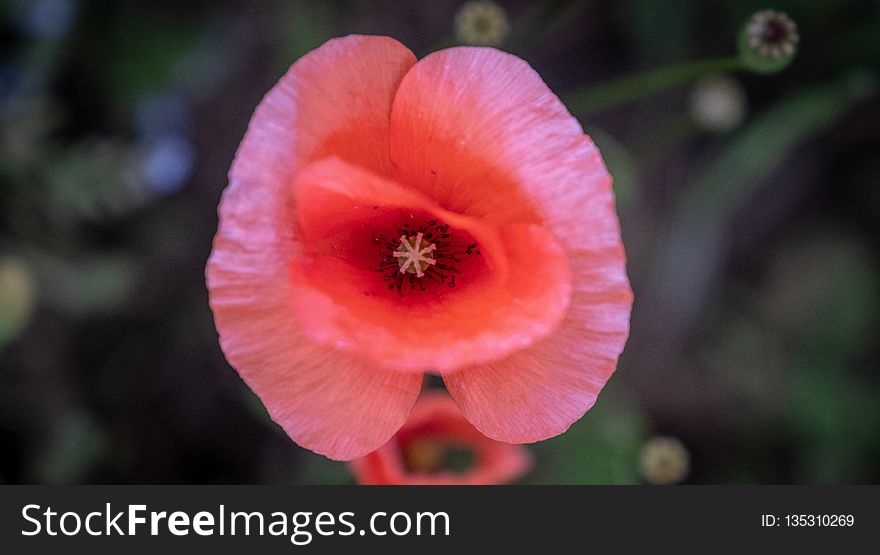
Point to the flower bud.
(718, 103)
(481, 23)
(768, 41)
(664, 460)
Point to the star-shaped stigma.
(414, 255)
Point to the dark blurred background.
(750, 207)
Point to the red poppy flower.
(387, 217)
(436, 438)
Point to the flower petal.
(334, 100)
(345, 303)
(478, 131)
(337, 92)
(539, 392)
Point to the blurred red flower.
(387, 217)
(434, 435)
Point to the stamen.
(423, 251)
(413, 257)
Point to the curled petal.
(505, 304)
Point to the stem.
(595, 98)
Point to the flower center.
(422, 254)
(415, 254)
